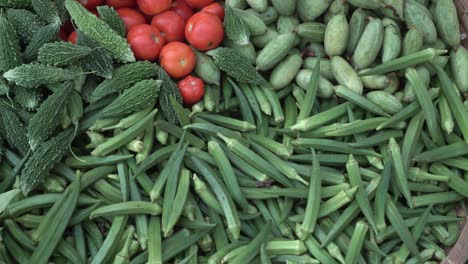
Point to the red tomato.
(198, 3)
(181, 8)
(91, 4)
(152, 7)
(72, 37)
(204, 31)
(192, 89)
(146, 42)
(131, 17)
(171, 25)
(215, 9)
(121, 3)
(65, 30)
(178, 59)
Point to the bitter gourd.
(133, 99)
(99, 60)
(15, 3)
(16, 132)
(168, 90)
(29, 99)
(124, 77)
(25, 22)
(34, 75)
(236, 65)
(43, 159)
(46, 120)
(112, 18)
(236, 29)
(46, 10)
(45, 34)
(62, 53)
(10, 55)
(100, 31)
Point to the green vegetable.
(34, 75)
(100, 31)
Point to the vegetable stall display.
(238, 131)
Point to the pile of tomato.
(168, 31)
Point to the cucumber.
(262, 40)
(325, 88)
(100, 31)
(459, 63)
(346, 75)
(43, 159)
(275, 51)
(369, 45)
(259, 5)
(241, 4)
(325, 66)
(135, 98)
(386, 101)
(284, 7)
(336, 35)
(10, 54)
(357, 24)
(254, 23)
(46, 120)
(418, 16)
(412, 41)
(367, 4)
(35, 75)
(124, 77)
(286, 24)
(336, 8)
(311, 31)
(446, 19)
(206, 69)
(309, 10)
(269, 16)
(235, 65)
(391, 46)
(285, 71)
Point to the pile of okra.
(329, 132)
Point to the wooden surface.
(458, 254)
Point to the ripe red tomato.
(181, 8)
(178, 59)
(171, 25)
(146, 42)
(198, 3)
(91, 4)
(121, 3)
(192, 89)
(72, 37)
(131, 17)
(204, 31)
(152, 7)
(215, 9)
(65, 30)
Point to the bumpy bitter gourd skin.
(134, 98)
(100, 31)
(10, 56)
(35, 74)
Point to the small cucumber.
(346, 75)
(391, 46)
(459, 62)
(285, 71)
(446, 19)
(275, 51)
(269, 16)
(254, 22)
(417, 15)
(325, 66)
(284, 7)
(262, 40)
(325, 88)
(369, 45)
(311, 31)
(386, 101)
(259, 5)
(336, 35)
(413, 41)
(206, 69)
(286, 24)
(309, 10)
